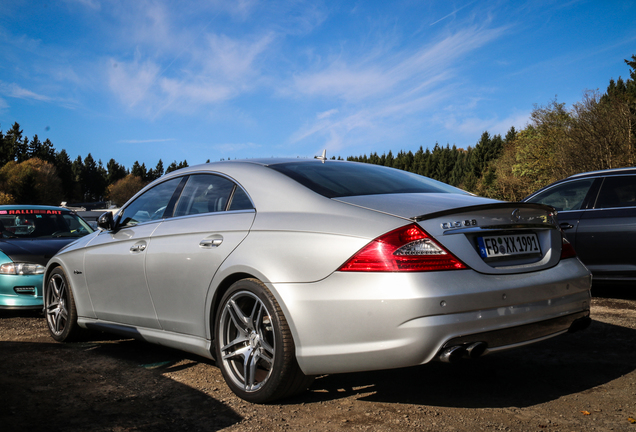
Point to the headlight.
(21, 269)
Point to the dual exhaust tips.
(457, 353)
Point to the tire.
(254, 347)
(59, 308)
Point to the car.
(597, 212)
(91, 216)
(29, 236)
(284, 269)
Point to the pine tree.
(139, 171)
(64, 169)
(13, 136)
(94, 179)
(159, 169)
(114, 172)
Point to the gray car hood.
(415, 204)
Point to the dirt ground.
(576, 382)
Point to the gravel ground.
(576, 382)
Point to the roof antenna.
(323, 158)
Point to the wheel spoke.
(238, 317)
(267, 352)
(249, 369)
(64, 314)
(55, 293)
(256, 313)
(235, 349)
(58, 323)
(52, 307)
(62, 292)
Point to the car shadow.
(103, 385)
(24, 313)
(622, 290)
(526, 376)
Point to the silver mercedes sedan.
(282, 269)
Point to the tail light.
(567, 250)
(406, 249)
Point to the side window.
(151, 205)
(240, 200)
(204, 193)
(619, 191)
(566, 196)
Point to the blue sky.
(212, 79)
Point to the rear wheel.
(59, 307)
(254, 346)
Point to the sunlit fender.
(73, 265)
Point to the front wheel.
(254, 346)
(59, 307)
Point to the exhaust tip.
(458, 353)
(452, 354)
(476, 349)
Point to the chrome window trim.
(191, 173)
(225, 212)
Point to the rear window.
(341, 179)
(566, 196)
(36, 223)
(616, 192)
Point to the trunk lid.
(490, 236)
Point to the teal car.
(29, 236)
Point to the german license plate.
(508, 245)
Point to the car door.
(114, 263)
(213, 215)
(571, 200)
(607, 233)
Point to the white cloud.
(15, 91)
(342, 81)
(402, 72)
(206, 73)
(231, 58)
(326, 114)
(132, 81)
(387, 94)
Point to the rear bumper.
(497, 340)
(368, 321)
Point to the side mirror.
(106, 221)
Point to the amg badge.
(459, 224)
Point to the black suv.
(597, 212)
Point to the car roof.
(276, 161)
(607, 172)
(589, 174)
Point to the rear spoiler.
(468, 209)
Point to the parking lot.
(577, 382)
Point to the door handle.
(566, 225)
(210, 243)
(138, 247)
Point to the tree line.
(599, 132)
(33, 172)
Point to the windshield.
(36, 224)
(337, 179)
